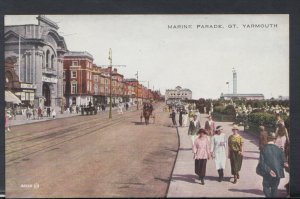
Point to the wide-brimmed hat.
(201, 130)
(218, 128)
(235, 127)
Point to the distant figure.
(7, 118)
(185, 120)
(40, 113)
(194, 128)
(28, 113)
(173, 116)
(77, 109)
(210, 126)
(48, 111)
(53, 114)
(262, 137)
(33, 113)
(180, 117)
(126, 106)
(120, 109)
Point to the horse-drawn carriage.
(147, 113)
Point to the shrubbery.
(267, 119)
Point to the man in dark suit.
(270, 167)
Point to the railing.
(222, 117)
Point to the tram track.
(14, 138)
(53, 140)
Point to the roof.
(78, 54)
(243, 95)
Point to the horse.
(146, 114)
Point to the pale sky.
(200, 59)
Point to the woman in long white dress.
(218, 150)
(185, 118)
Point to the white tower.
(234, 81)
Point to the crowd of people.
(210, 142)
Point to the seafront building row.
(42, 72)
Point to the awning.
(10, 97)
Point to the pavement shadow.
(252, 191)
(251, 151)
(216, 178)
(139, 123)
(163, 180)
(187, 178)
(250, 158)
(185, 149)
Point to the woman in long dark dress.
(235, 151)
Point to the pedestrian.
(210, 127)
(120, 109)
(127, 106)
(201, 150)
(27, 113)
(14, 113)
(7, 122)
(77, 109)
(185, 118)
(263, 134)
(180, 117)
(282, 138)
(48, 111)
(218, 151)
(235, 151)
(270, 166)
(34, 113)
(39, 113)
(53, 113)
(194, 128)
(45, 112)
(173, 116)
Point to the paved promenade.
(185, 183)
(21, 119)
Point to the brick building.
(78, 78)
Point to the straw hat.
(235, 127)
(201, 130)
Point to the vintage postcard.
(193, 105)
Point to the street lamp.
(110, 95)
(110, 79)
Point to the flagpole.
(19, 58)
(137, 91)
(110, 94)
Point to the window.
(74, 74)
(87, 74)
(47, 59)
(64, 74)
(74, 88)
(52, 61)
(74, 63)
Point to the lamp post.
(110, 79)
(137, 90)
(110, 87)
